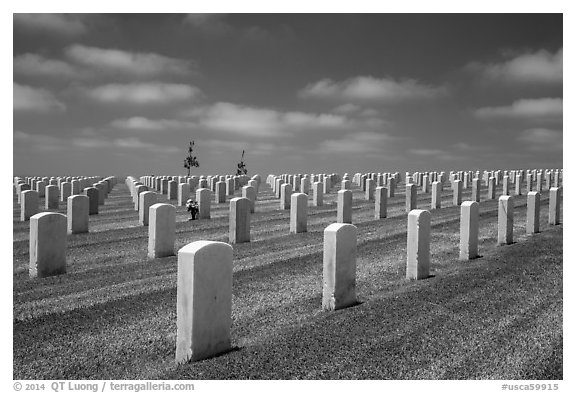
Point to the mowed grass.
(113, 315)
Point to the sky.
(105, 94)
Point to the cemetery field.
(113, 315)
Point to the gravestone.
(75, 187)
(391, 187)
(369, 193)
(77, 213)
(19, 189)
(92, 194)
(418, 245)
(203, 199)
(52, 195)
(249, 192)
(411, 195)
(554, 201)
(285, 193)
(161, 230)
(137, 191)
(239, 221)
(505, 219)
(344, 210)
(436, 202)
(204, 300)
(318, 195)
(29, 204)
(457, 193)
(533, 213)
(381, 203)
(220, 193)
(469, 230)
(491, 188)
(147, 199)
(339, 267)
(183, 193)
(47, 245)
(172, 190)
(298, 213)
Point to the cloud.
(144, 124)
(144, 93)
(536, 67)
(427, 152)
(359, 143)
(31, 64)
(216, 25)
(542, 139)
(246, 120)
(136, 63)
(63, 24)
(32, 99)
(540, 108)
(368, 88)
(209, 23)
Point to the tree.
(191, 161)
(241, 167)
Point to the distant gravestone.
(436, 201)
(411, 195)
(52, 195)
(47, 245)
(305, 185)
(318, 195)
(505, 185)
(344, 209)
(75, 187)
(77, 213)
(161, 230)
(418, 245)
(298, 213)
(239, 221)
(518, 184)
(457, 193)
(554, 201)
(381, 203)
(172, 190)
(533, 213)
(220, 193)
(147, 199)
(249, 192)
(469, 230)
(505, 219)
(369, 193)
(93, 196)
(101, 192)
(346, 185)
(28, 204)
(285, 194)
(183, 193)
(137, 191)
(203, 199)
(204, 300)
(230, 187)
(491, 188)
(339, 267)
(19, 189)
(391, 187)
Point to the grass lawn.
(113, 315)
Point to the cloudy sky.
(124, 94)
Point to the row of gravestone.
(49, 230)
(210, 262)
(204, 292)
(29, 190)
(178, 188)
